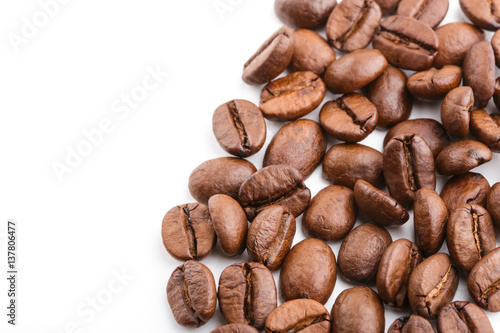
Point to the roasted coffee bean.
(309, 271)
(496, 94)
(361, 252)
(378, 206)
(350, 118)
(455, 111)
(411, 324)
(191, 294)
(470, 187)
(455, 39)
(430, 12)
(235, 328)
(406, 42)
(230, 223)
(398, 261)
(300, 144)
(388, 6)
(358, 309)
(391, 97)
(433, 84)
(354, 71)
(352, 23)
(484, 282)
(331, 214)
(462, 156)
(304, 13)
(493, 204)
(486, 128)
(247, 294)
(429, 220)
(344, 164)
(479, 72)
(187, 232)
(495, 44)
(305, 315)
(432, 284)
(470, 235)
(292, 96)
(274, 185)
(270, 236)
(483, 13)
(271, 59)
(239, 127)
(408, 167)
(311, 53)
(223, 175)
(462, 317)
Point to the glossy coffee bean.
(433, 84)
(191, 294)
(430, 12)
(305, 315)
(496, 94)
(455, 111)
(483, 13)
(388, 6)
(304, 13)
(462, 317)
(470, 187)
(495, 44)
(411, 324)
(479, 72)
(455, 39)
(462, 156)
(292, 96)
(484, 282)
(486, 128)
(493, 204)
(311, 52)
(235, 328)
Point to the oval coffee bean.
(350, 118)
(432, 284)
(430, 12)
(484, 282)
(309, 271)
(304, 315)
(304, 13)
(493, 204)
(394, 270)
(496, 95)
(358, 309)
(239, 127)
(378, 206)
(354, 71)
(311, 53)
(470, 235)
(411, 324)
(468, 188)
(292, 96)
(495, 44)
(247, 294)
(191, 294)
(361, 252)
(486, 128)
(479, 72)
(300, 144)
(187, 232)
(235, 328)
(455, 39)
(462, 317)
(483, 13)
(274, 185)
(271, 59)
(433, 84)
(270, 236)
(352, 23)
(455, 111)
(462, 156)
(388, 6)
(331, 214)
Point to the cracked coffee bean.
(468, 188)
(299, 315)
(304, 13)
(235, 328)
(484, 282)
(455, 39)
(462, 317)
(455, 111)
(411, 324)
(311, 53)
(486, 128)
(483, 13)
(479, 72)
(493, 204)
(430, 12)
(433, 84)
(462, 156)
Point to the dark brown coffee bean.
(304, 13)
(462, 317)
(493, 204)
(432, 284)
(191, 294)
(468, 188)
(309, 271)
(462, 156)
(350, 118)
(496, 95)
(483, 13)
(311, 53)
(495, 44)
(247, 294)
(230, 223)
(408, 167)
(354, 71)
(331, 214)
(411, 324)
(378, 206)
(484, 282)
(352, 23)
(361, 252)
(479, 72)
(406, 42)
(292, 96)
(300, 144)
(239, 127)
(455, 111)
(235, 328)
(455, 39)
(344, 164)
(304, 315)
(356, 303)
(486, 128)
(433, 84)
(271, 59)
(274, 185)
(223, 175)
(391, 97)
(388, 6)
(430, 217)
(188, 232)
(270, 236)
(430, 12)
(398, 261)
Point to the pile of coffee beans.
(382, 187)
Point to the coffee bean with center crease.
(352, 23)
(484, 282)
(235, 328)
(485, 14)
(271, 59)
(433, 84)
(462, 156)
(470, 187)
(311, 52)
(274, 185)
(455, 111)
(486, 128)
(247, 294)
(188, 232)
(493, 204)
(430, 12)
(455, 39)
(191, 294)
(411, 324)
(495, 44)
(406, 42)
(462, 317)
(388, 6)
(479, 72)
(299, 315)
(292, 96)
(304, 13)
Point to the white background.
(104, 217)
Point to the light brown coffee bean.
(430, 12)
(462, 317)
(483, 13)
(455, 39)
(479, 72)
(455, 111)
(388, 6)
(433, 84)
(311, 52)
(462, 156)
(304, 315)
